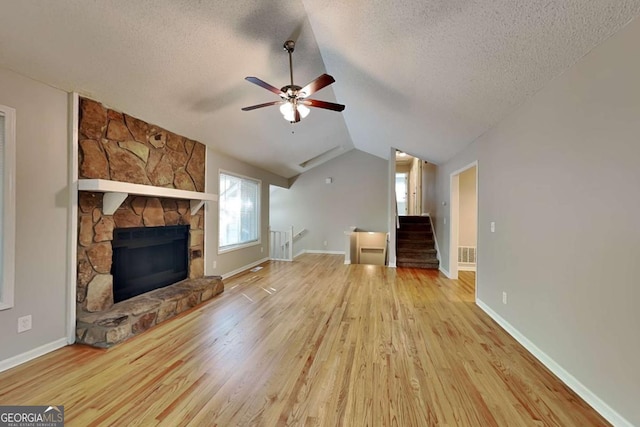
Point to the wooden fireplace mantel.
(116, 192)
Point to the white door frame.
(454, 209)
(392, 208)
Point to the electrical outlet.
(24, 323)
(261, 249)
(215, 264)
(445, 221)
(493, 228)
(324, 243)
(504, 297)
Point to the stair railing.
(281, 243)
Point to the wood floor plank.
(313, 342)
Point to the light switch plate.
(493, 227)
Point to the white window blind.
(2, 179)
(239, 217)
(7, 205)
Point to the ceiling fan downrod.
(289, 46)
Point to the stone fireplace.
(117, 147)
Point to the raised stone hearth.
(128, 318)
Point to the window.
(7, 204)
(239, 216)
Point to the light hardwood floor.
(313, 343)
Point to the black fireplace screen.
(147, 258)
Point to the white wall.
(467, 231)
(41, 215)
(429, 173)
(232, 261)
(356, 197)
(561, 179)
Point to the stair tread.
(415, 243)
(424, 265)
(413, 219)
(430, 252)
(418, 261)
(430, 258)
(412, 247)
(415, 226)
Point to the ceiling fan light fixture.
(287, 111)
(303, 110)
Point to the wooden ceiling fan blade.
(266, 104)
(323, 104)
(319, 83)
(263, 84)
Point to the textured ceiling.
(425, 76)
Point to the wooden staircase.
(415, 246)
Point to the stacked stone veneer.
(118, 147)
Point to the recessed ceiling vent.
(320, 158)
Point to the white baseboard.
(312, 251)
(444, 271)
(466, 267)
(580, 389)
(32, 354)
(246, 267)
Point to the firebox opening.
(148, 258)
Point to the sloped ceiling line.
(425, 76)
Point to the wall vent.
(329, 154)
(467, 254)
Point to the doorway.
(463, 235)
(402, 191)
(408, 184)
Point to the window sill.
(5, 306)
(228, 249)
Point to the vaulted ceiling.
(425, 76)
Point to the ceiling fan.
(294, 103)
